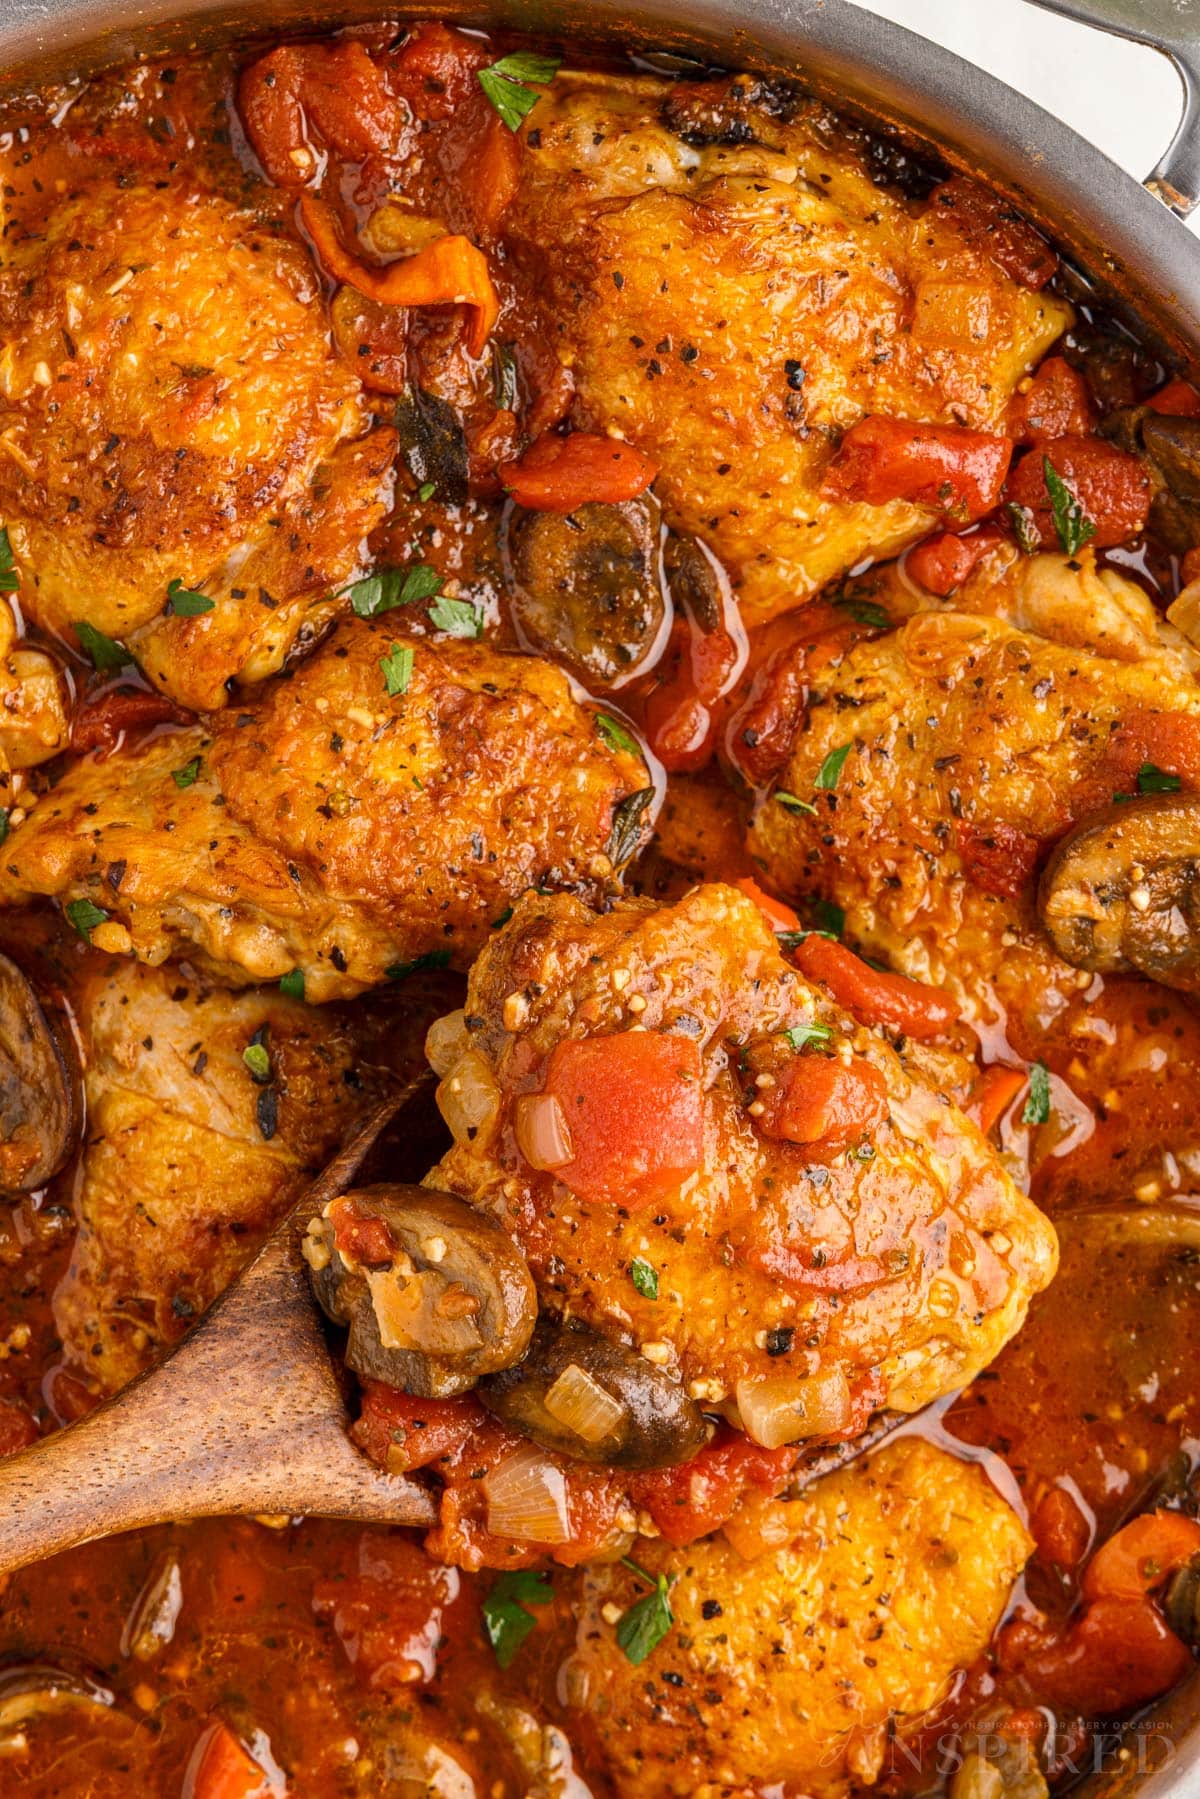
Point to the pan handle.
(1172, 27)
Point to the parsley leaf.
(3, 824)
(1029, 538)
(800, 1035)
(10, 580)
(506, 1621)
(397, 668)
(1037, 1106)
(291, 984)
(1071, 522)
(85, 916)
(1152, 779)
(257, 1059)
(627, 826)
(792, 803)
(185, 776)
(105, 652)
(427, 490)
(864, 612)
(505, 83)
(459, 618)
(644, 1276)
(831, 768)
(829, 920)
(642, 1628)
(615, 735)
(388, 588)
(505, 397)
(434, 958)
(185, 602)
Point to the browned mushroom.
(580, 1395)
(434, 1293)
(588, 586)
(1122, 891)
(40, 1106)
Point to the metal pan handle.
(1173, 27)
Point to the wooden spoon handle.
(246, 1416)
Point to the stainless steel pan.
(1127, 238)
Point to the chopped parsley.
(1029, 538)
(506, 1620)
(85, 916)
(627, 826)
(1071, 522)
(397, 668)
(458, 618)
(433, 958)
(615, 735)
(829, 920)
(504, 378)
(644, 1276)
(3, 824)
(257, 1059)
(105, 652)
(10, 580)
(186, 602)
(864, 612)
(801, 1035)
(388, 588)
(188, 774)
(830, 769)
(642, 1628)
(1152, 779)
(791, 802)
(506, 83)
(291, 984)
(1037, 1106)
(427, 490)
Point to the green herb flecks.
(291, 984)
(1151, 779)
(1029, 538)
(397, 668)
(1071, 522)
(644, 1276)
(188, 774)
(85, 916)
(10, 580)
(433, 958)
(642, 1628)
(801, 1035)
(864, 612)
(186, 602)
(792, 802)
(257, 1058)
(387, 588)
(458, 618)
(505, 395)
(511, 84)
(615, 735)
(105, 652)
(626, 831)
(830, 769)
(506, 1621)
(1037, 1105)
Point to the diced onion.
(978, 1778)
(446, 1040)
(783, 1409)
(527, 1499)
(1184, 613)
(543, 1136)
(411, 1314)
(581, 1404)
(468, 1098)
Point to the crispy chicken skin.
(792, 1669)
(905, 1260)
(171, 408)
(332, 827)
(731, 290)
(978, 732)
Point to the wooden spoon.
(246, 1416)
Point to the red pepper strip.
(557, 474)
(875, 997)
(778, 916)
(449, 272)
(992, 1095)
(945, 467)
(819, 1100)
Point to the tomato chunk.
(946, 467)
(1141, 1556)
(993, 1093)
(223, 1769)
(1178, 398)
(1059, 1527)
(942, 563)
(819, 1100)
(1000, 858)
(778, 916)
(335, 89)
(1112, 488)
(101, 723)
(400, 1432)
(694, 1498)
(874, 996)
(992, 225)
(1056, 404)
(635, 1112)
(1114, 1656)
(362, 1239)
(557, 474)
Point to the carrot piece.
(946, 467)
(818, 1100)
(778, 916)
(993, 1093)
(1141, 1556)
(942, 563)
(1056, 404)
(1111, 487)
(452, 271)
(557, 474)
(874, 996)
(225, 1770)
(634, 1108)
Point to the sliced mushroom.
(1122, 891)
(588, 586)
(580, 1395)
(434, 1293)
(40, 1105)
(34, 1690)
(1170, 448)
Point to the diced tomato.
(1170, 740)
(388, 1610)
(102, 721)
(1000, 858)
(942, 563)
(695, 1498)
(1115, 1655)
(993, 1093)
(818, 1100)
(993, 226)
(1178, 398)
(702, 664)
(874, 996)
(1056, 404)
(1060, 1529)
(634, 1109)
(335, 89)
(436, 70)
(557, 474)
(1141, 1556)
(1111, 487)
(363, 1239)
(778, 916)
(945, 467)
(18, 1428)
(222, 1768)
(400, 1432)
